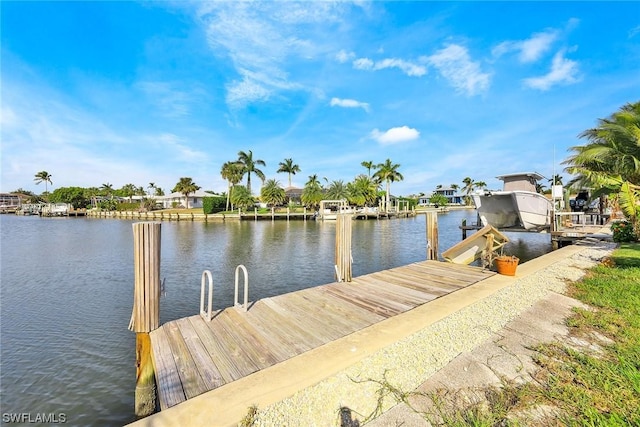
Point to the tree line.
(608, 163)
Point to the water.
(67, 292)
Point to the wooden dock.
(192, 356)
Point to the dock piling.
(343, 247)
(146, 310)
(432, 235)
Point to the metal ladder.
(207, 279)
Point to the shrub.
(623, 232)
(213, 204)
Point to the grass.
(571, 387)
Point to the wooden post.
(432, 236)
(464, 229)
(343, 247)
(146, 310)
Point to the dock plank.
(201, 357)
(246, 342)
(167, 378)
(349, 312)
(226, 344)
(192, 381)
(192, 355)
(272, 351)
(297, 325)
(279, 329)
(219, 355)
(311, 319)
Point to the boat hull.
(534, 210)
(514, 209)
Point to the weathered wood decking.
(192, 356)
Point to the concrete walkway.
(506, 356)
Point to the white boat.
(329, 209)
(517, 206)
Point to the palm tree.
(610, 161)
(288, 167)
(151, 187)
(107, 189)
(232, 173)
(241, 197)
(481, 185)
(388, 172)
(337, 190)
(368, 165)
(43, 176)
(468, 188)
(128, 190)
(185, 186)
(363, 191)
(272, 193)
(312, 193)
(249, 166)
(556, 180)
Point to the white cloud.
(171, 101)
(344, 56)
(395, 135)
(262, 38)
(455, 65)
(529, 50)
(349, 103)
(363, 64)
(406, 67)
(563, 71)
(180, 151)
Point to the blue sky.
(140, 92)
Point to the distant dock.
(192, 355)
(273, 215)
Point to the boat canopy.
(523, 181)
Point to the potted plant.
(506, 264)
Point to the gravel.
(409, 362)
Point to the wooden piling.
(432, 235)
(146, 310)
(343, 247)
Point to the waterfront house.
(178, 199)
(452, 195)
(293, 194)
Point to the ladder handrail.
(206, 315)
(246, 288)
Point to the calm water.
(67, 290)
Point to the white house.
(178, 199)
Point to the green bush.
(623, 232)
(128, 206)
(213, 204)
